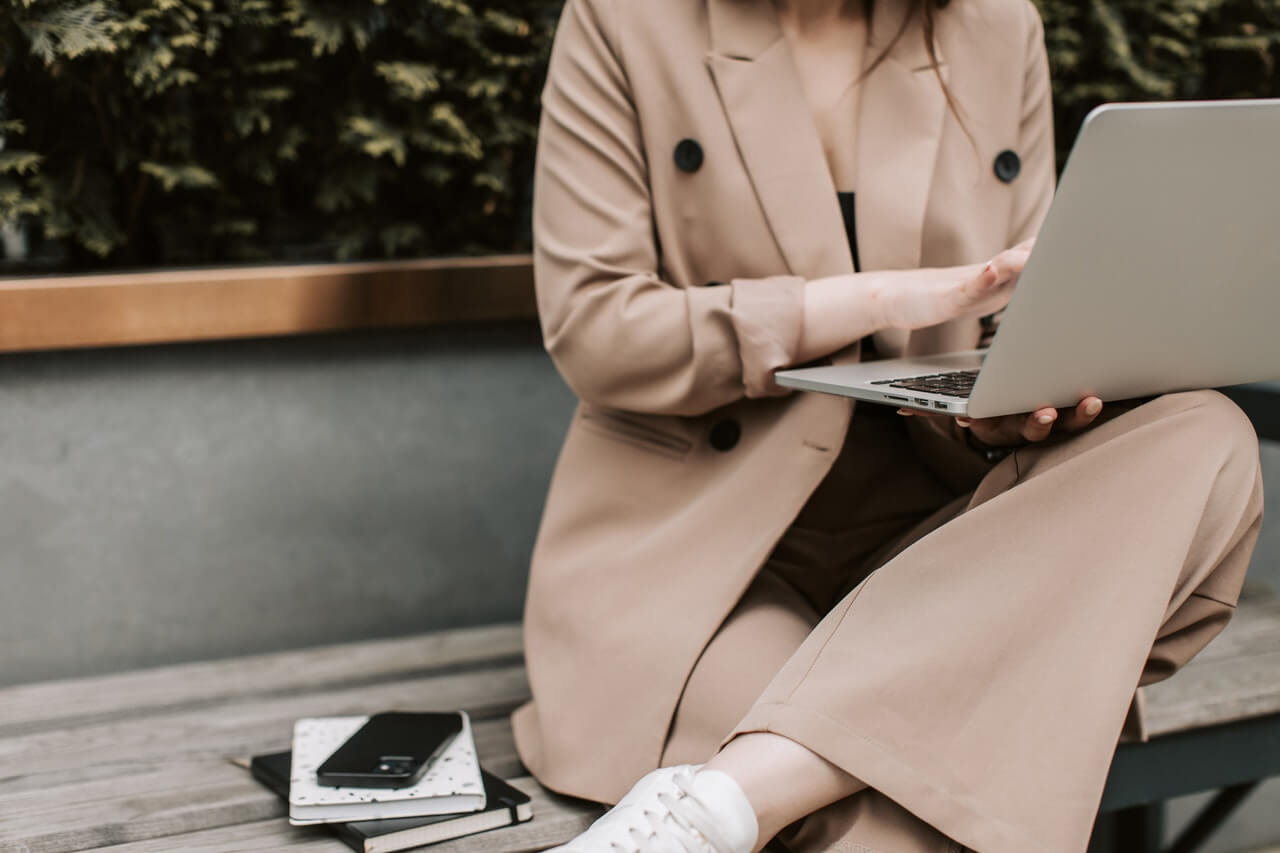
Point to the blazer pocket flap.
(637, 429)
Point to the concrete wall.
(177, 503)
(161, 504)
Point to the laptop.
(1157, 269)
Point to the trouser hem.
(956, 815)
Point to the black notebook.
(504, 806)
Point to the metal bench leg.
(1211, 817)
(1139, 829)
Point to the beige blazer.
(682, 198)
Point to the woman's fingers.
(1009, 264)
(1039, 424)
(991, 287)
(1082, 416)
(984, 293)
(980, 285)
(1011, 430)
(996, 432)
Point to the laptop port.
(896, 399)
(938, 405)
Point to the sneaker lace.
(685, 824)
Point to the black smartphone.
(391, 750)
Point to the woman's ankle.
(782, 780)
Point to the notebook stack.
(454, 798)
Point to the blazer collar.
(745, 29)
(899, 125)
(742, 29)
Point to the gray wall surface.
(164, 504)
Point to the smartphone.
(391, 750)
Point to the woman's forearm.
(838, 311)
(845, 308)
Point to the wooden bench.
(146, 760)
(1214, 726)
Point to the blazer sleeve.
(620, 335)
(1035, 139)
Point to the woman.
(730, 187)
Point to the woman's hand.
(928, 300)
(1017, 430)
(1013, 430)
(919, 298)
(841, 309)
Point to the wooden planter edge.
(121, 309)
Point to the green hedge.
(144, 132)
(1139, 50)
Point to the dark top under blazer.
(847, 211)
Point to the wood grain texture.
(1236, 677)
(183, 797)
(258, 837)
(162, 791)
(208, 304)
(556, 819)
(175, 809)
(175, 797)
(61, 704)
(234, 729)
(141, 761)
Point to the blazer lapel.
(764, 100)
(899, 129)
(901, 114)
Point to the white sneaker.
(674, 810)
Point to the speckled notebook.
(452, 782)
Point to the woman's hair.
(926, 8)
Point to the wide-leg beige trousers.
(979, 678)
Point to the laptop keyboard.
(958, 383)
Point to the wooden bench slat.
(140, 759)
(187, 796)
(494, 741)
(1235, 690)
(1252, 630)
(173, 797)
(267, 836)
(60, 704)
(242, 727)
(555, 820)
(1236, 677)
